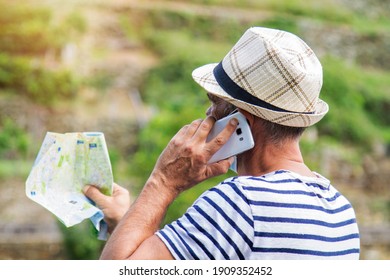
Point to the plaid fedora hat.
(270, 73)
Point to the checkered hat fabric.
(270, 73)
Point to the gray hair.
(277, 133)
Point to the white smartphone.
(240, 141)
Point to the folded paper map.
(64, 165)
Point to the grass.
(15, 168)
(327, 10)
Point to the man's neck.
(264, 159)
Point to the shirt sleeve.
(219, 225)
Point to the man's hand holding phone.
(240, 141)
(185, 161)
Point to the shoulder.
(243, 185)
(219, 225)
(227, 199)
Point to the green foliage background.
(27, 35)
(357, 92)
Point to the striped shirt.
(281, 215)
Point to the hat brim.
(204, 76)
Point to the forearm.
(141, 221)
(182, 165)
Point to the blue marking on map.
(92, 145)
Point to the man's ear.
(248, 116)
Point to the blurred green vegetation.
(30, 31)
(14, 140)
(27, 37)
(19, 76)
(359, 101)
(80, 242)
(14, 144)
(309, 8)
(25, 30)
(331, 11)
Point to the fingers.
(197, 129)
(221, 139)
(193, 128)
(196, 134)
(118, 190)
(220, 167)
(185, 134)
(204, 128)
(114, 207)
(192, 134)
(99, 198)
(94, 194)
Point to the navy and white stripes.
(281, 215)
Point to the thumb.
(220, 167)
(94, 194)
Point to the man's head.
(269, 132)
(271, 74)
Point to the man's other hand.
(114, 207)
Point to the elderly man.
(276, 208)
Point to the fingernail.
(85, 189)
(234, 121)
